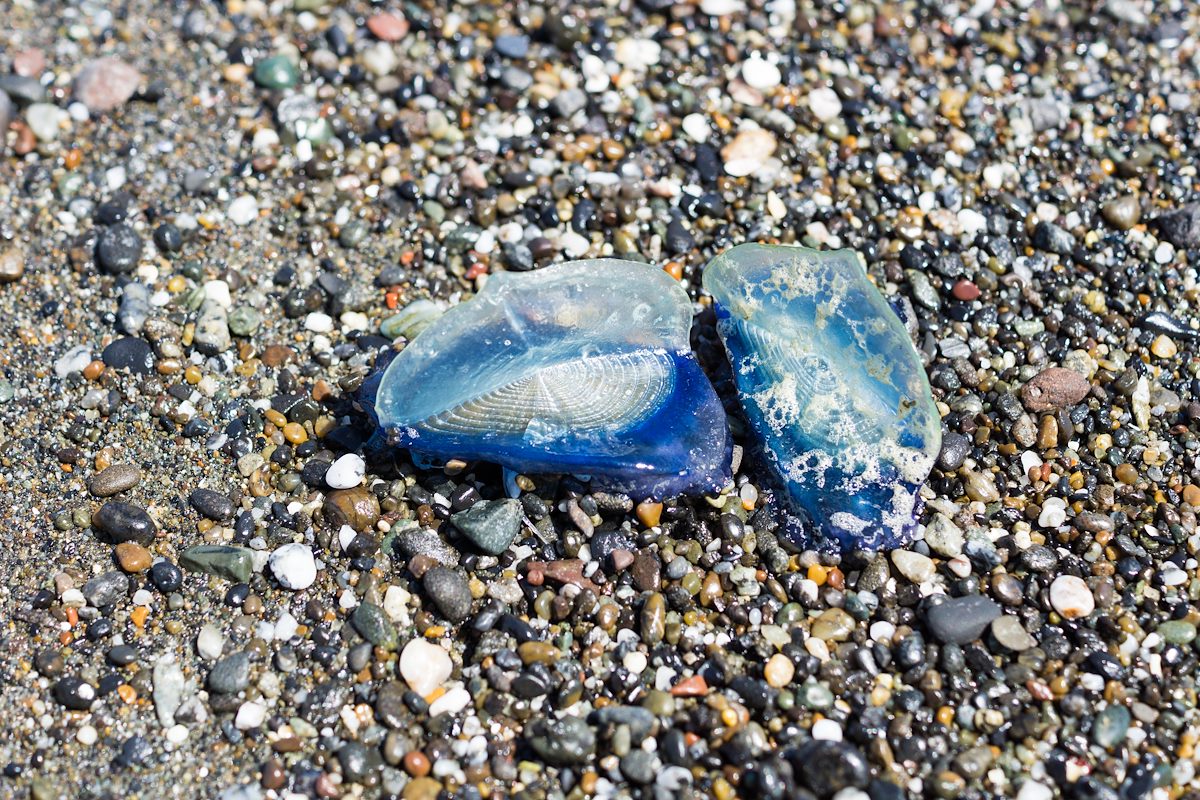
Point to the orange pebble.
(817, 574)
(694, 686)
(138, 615)
(127, 692)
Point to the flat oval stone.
(961, 620)
(374, 626)
(114, 480)
(125, 522)
(129, 353)
(1071, 597)
(1054, 387)
(224, 561)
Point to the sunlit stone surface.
(580, 368)
(832, 387)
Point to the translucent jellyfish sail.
(831, 386)
(580, 368)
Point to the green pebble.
(244, 321)
(374, 625)
(231, 563)
(813, 695)
(1111, 725)
(1177, 631)
(276, 72)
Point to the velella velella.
(581, 368)
(832, 388)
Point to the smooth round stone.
(12, 259)
(449, 591)
(210, 642)
(1122, 213)
(114, 480)
(43, 120)
(825, 104)
(106, 83)
(779, 671)
(833, 625)
(125, 522)
(212, 504)
(373, 624)
(914, 566)
(1111, 725)
(346, 472)
(118, 249)
(244, 321)
(75, 693)
(293, 566)
(243, 210)
(1054, 512)
(1071, 597)
(961, 620)
(132, 557)
(388, 27)
(231, 674)
(1009, 632)
(276, 72)
(760, 74)
(424, 666)
(129, 353)
(1177, 631)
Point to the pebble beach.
(216, 216)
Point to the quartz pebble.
(293, 566)
(424, 666)
(1071, 597)
(346, 472)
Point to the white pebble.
(87, 735)
(696, 127)
(1054, 512)
(825, 104)
(293, 566)
(1071, 597)
(827, 730)
(285, 627)
(913, 566)
(347, 472)
(451, 702)
(243, 210)
(210, 642)
(761, 74)
(176, 734)
(424, 666)
(250, 715)
(318, 322)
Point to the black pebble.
(129, 353)
(118, 249)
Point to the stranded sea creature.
(580, 368)
(831, 386)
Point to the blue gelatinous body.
(831, 386)
(580, 368)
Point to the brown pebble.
(649, 513)
(114, 480)
(1048, 432)
(1191, 495)
(276, 355)
(12, 262)
(1054, 387)
(133, 557)
(356, 507)
(273, 775)
(416, 763)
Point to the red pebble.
(388, 27)
(29, 63)
(965, 290)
